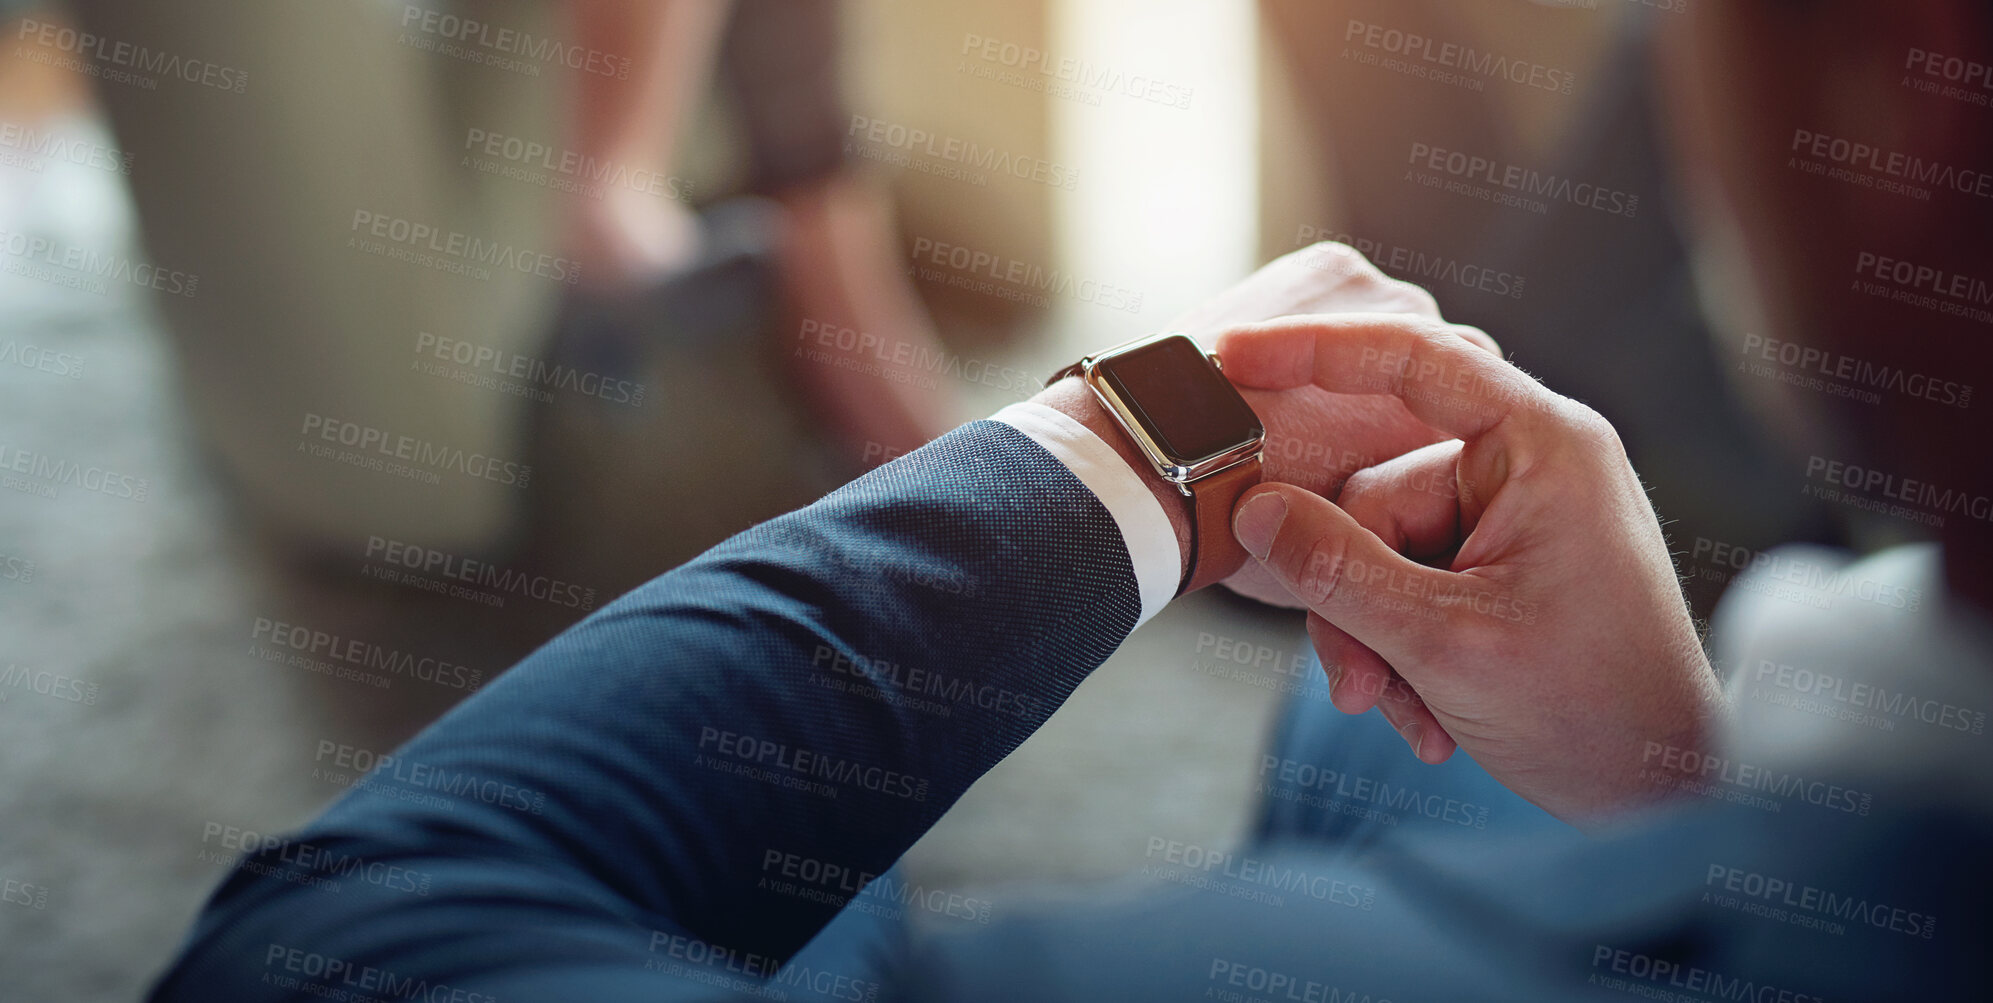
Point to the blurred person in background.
(458, 231)
(1598, 302)
(1795, 836)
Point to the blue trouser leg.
(1350, 781)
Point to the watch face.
(1191, 410)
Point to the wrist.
(1072, 398)
(1673, 763)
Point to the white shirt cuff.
(1145, 527)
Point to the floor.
(142, 710)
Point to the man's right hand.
(1316, 439)
(1554, 646)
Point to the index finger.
(1445, 380)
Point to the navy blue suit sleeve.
(670, 798)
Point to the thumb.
(1345, 573)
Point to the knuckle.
(1366, 498)
(1583, 418)
(1336, 249)
(1478, 336)
(1359, 269)
(1415, 297)
(1359, 487)
(1431, 341)
(1590, 426)
(1431, 333)
(1332, 257)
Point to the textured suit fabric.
(824, 685)
(670, 800)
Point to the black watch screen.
(1191, 410)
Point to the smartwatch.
(1172, 399)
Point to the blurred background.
(348, 350)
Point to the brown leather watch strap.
(1214, 552)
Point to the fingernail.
(1415, 736)
(1258, 521)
